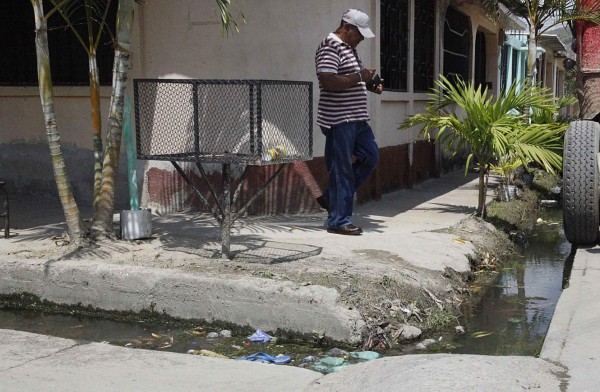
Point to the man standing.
(343, 116)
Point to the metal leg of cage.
(6, 213)
(226, 208)
(224, 216)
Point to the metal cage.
(253, 122)
(243, 122)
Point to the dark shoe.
(324, 203)
(346, 230)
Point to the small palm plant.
(491, 127)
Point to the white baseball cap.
(359, 19)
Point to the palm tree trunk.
(94, 80)
(96, 124)
(65, 193)
(531, 56)
(482, 192)
(530, 77)
(103, 215)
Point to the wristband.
(360, 76)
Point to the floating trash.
(260, 336)
(207, 353)
(309, 359)
(336, 352)
(332, 364)
(267, 358)
(481, 334)
(549, 203)
(365, 355)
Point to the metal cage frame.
(257, 151)
(250, 95)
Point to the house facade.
(550, 56)
(416, 40)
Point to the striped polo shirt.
(337, 107)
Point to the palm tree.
(96, 12)
(543, 15)
(490, 127)
(102, 220)
(65, 193)
(103, 214)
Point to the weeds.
(440, 319)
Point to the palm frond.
(492, 127)
(228, 22)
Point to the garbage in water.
(516, 306)
(260, 336)
(508, 192)
(207, 353)
(365, 355)
(332, 364)
(266, 358)
(549, 203)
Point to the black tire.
(581, 182)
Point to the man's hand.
(367, 74)
(377, 88)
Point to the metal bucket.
(507, 192)
(136, 224)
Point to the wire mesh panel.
(255, 122)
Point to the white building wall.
(180, 39)
(183, 39)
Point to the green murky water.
(514, 314)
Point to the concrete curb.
(257, 302)
(30, 362)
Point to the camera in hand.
(376, 81)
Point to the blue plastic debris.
(365, 355)
(260, 336)
(267, 358)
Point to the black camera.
(376, 81)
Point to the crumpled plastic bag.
(260, 336)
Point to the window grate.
(68, 59)
(425, 46)
(456, 45)
(394, 44)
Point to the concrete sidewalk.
(180, 272)
(573, 339)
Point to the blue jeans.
(341, 143)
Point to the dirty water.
(511, 318)
(514, 313)
(195, 340)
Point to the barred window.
(480, 72)
(504, 66)
(456, 45)
(540, 66)
(394, 44)
(424, 57)
(68, 59)
(515, 62)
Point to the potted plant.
(506, 167)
